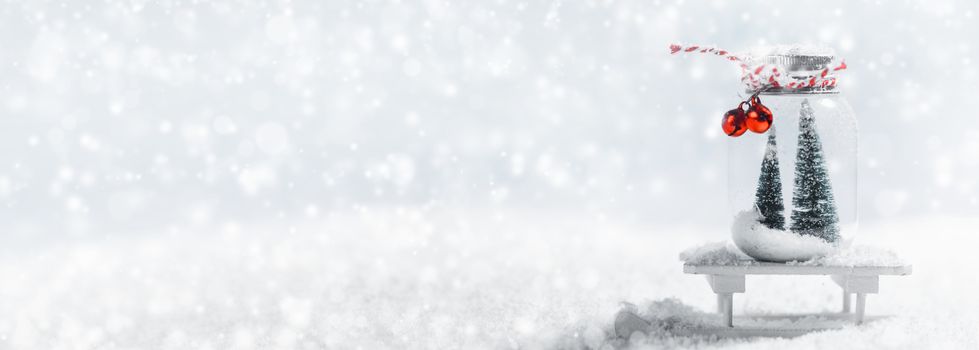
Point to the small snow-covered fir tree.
(768, 197)
(814, 209)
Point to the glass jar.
(793, 189)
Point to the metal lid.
(796, 64)
(799, 63)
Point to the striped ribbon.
(762, 76)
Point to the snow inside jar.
(793, 189)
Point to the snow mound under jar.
(763, 243)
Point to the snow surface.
(725, 253)
(763, 243)
(403, 278)
(858, 255)
(716, 253)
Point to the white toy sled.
(725, 270)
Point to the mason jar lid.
(798, 63)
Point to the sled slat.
(760, 268)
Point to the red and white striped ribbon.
(764, 76)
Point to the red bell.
(733, 122)
(759, 118)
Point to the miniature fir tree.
(814, 210)
(768, 197)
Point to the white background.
(185, 126)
